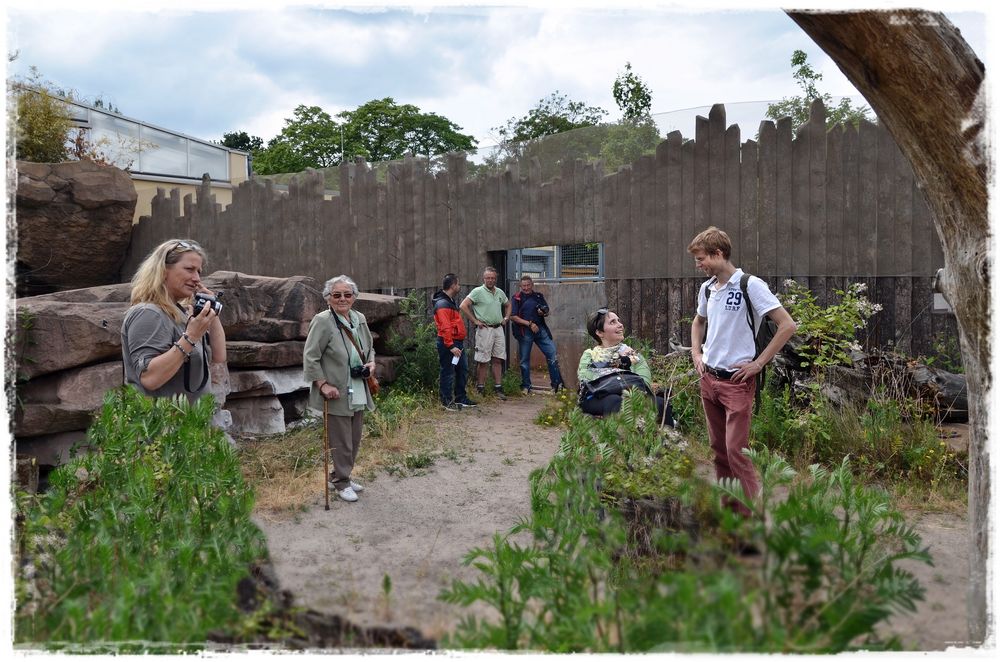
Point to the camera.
(543, 310)
(201, 300)
(360, 371)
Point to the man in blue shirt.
(528, 312)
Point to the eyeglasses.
(341, 295)
(602, 311)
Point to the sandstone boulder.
(248, 354)
(377, 308)
(275, 381)
(74, 224)
(56, 335)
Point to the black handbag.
(612, 384)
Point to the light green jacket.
(326, 357)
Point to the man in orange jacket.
(451, 336)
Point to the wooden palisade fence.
(823, 207)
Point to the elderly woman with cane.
(338, 360)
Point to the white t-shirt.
(729, 341)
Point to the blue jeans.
(545, 343)
(452, 376)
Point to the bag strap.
(751, 320)
(350, 335)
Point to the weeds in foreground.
(142, 540)
(828, 576)
(286, 470)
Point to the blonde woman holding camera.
(166, 347)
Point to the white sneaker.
(356, 487)
(347, 494)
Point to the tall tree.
(797, 108)
(926, 84)
(379, 130)
(382, 130)
(632, 95)
(553, 114)
(243, 141)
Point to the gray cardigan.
(326, 357)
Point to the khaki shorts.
(490, 343)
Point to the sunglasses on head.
(184, 245)
(601, 312)
(341, 295)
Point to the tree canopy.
(241, 140)
(632, 95)
(379, 130)
(797, 108)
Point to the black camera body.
(543, 310)
(360, 371)
(201, 300)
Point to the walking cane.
(326, 452)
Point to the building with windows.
(160, 158)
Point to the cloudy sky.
(208, 67)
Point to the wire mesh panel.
(558, 263)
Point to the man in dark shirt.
(528, 312)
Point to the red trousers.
(728, 406)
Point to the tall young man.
(727, 362)
(527, 315)
(489, 309)
(450, 342)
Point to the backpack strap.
(751, 320)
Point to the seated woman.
(612, 367)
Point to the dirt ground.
(417, 529)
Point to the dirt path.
(417, 529)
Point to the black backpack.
(768, 328)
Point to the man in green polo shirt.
(489, 309)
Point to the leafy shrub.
(420, 368)
(828, 574)
(828, 332)
(144, 539)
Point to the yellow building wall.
(146, 188)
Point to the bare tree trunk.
(925, 85)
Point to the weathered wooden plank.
(661, 228)
(676, 227)
(742, 245)
(885, 208)
(850, 208)
(834, 206)
(798, 244)
(689, 292)
(928, 256)
(867, 190)
(661, 321)
(623, 227)
(647, 304)
(750, 223)
(921, 311)
(644, 220)
(702, 189)
(675, 305)
(605, 214)
(716, 171)
(690, 223)
(903, 314)
(635, 326)
(784, 218)
(816, 127)
(903, 230)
